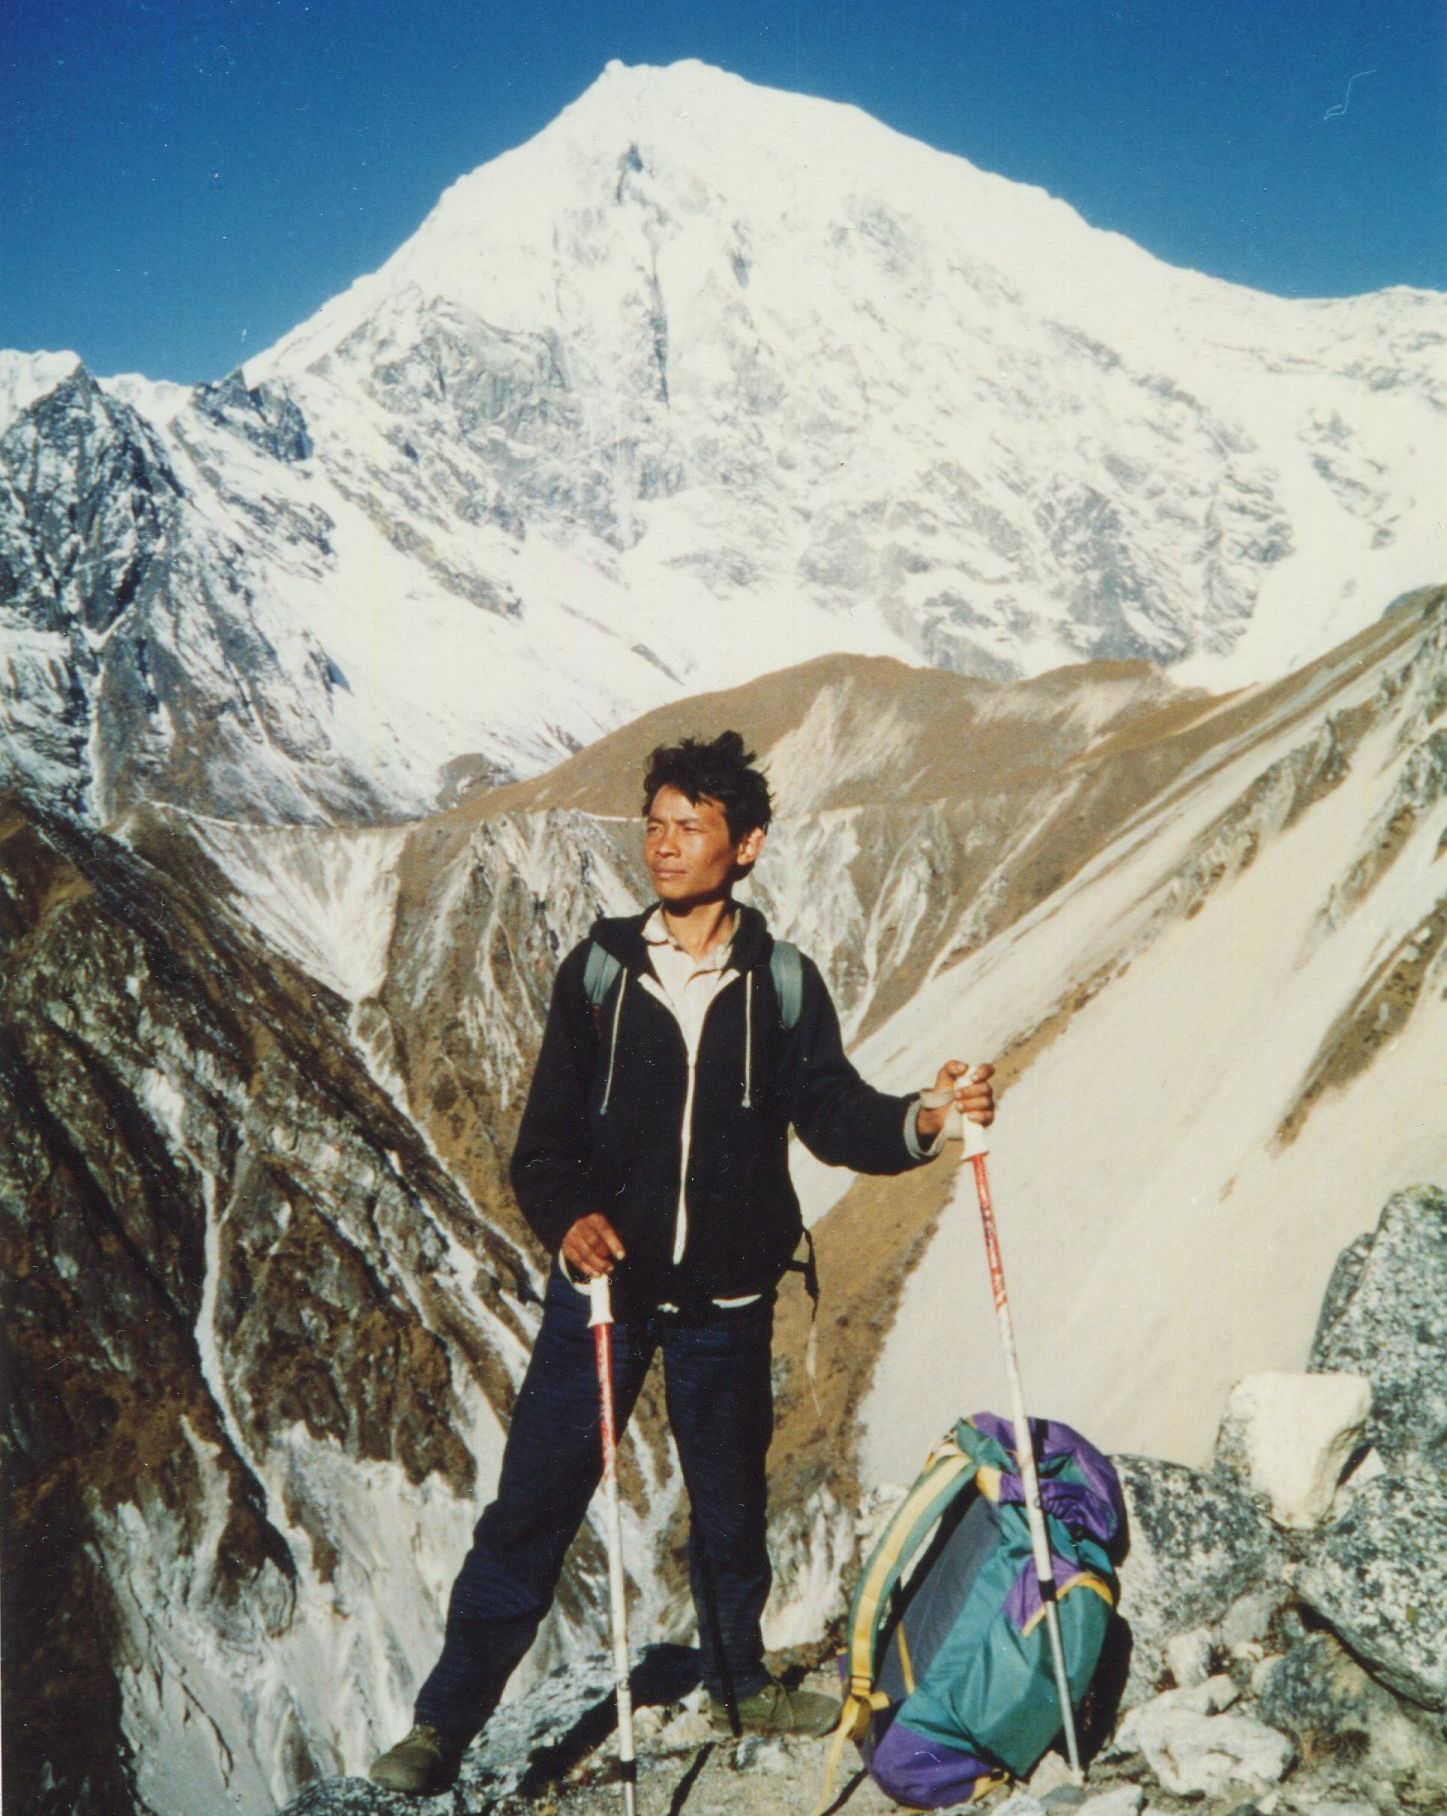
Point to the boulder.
(1195, 1754)
(1198, 1543)
(1385, 1317)
(1121, 1800)
(1343, 1719)
(1289, 1437)
(1188, 1657)
(1208, 1698)
(1376, 1580)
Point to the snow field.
(1158, 1240)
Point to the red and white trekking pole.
(600, 1321)
(975, 1150)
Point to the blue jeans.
(716, 1368)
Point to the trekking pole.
(600, 1322)
(975, 1150)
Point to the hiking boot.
(424, 1764)
(775, 1710)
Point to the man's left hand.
(973, 1093)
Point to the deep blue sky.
(183, 180)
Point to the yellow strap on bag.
(900, 1539)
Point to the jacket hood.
(622, 935)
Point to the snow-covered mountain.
(707, 387)
(703, 381)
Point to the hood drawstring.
(613, 1043)
(748, 1103)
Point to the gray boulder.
(1376, 1579)
(1197, 1544)
(1348, 1728)
(1385, 1317)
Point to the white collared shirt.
(690, 983)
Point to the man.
(653, 1148)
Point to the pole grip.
(600, 1302)
(957, 1127)
(974, 1139)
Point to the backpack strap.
(598, 975)
(599, 972)
(947, 1472)
(787, 970)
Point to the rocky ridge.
(264, 1077)
(241, 1290)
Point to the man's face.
(690, 853)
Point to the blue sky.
(184, 180)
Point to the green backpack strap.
(948, 1471)
(787, 970)
(598, 973)
(786, 967)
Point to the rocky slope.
(272, 1300)
(259, 1348)
(646, 406)
(1258, 1668)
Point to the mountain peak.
(27, 377)
(708, 379)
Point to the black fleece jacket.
(603, 1129)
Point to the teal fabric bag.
(951, 1685)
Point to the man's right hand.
(592, 1246)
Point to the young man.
(653, 1148)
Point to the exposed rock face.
(1385, 1316)
(1369, 1570)
(1335, 1711)
(254, 1324)
(1376, 1580)
(146, 657)
(88, 498)
(1197, 1544)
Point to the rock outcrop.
(1385, 1317)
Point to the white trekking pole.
(600, 1321)
(975, 1150)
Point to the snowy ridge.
(24, 377)
(645, 407)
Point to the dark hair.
(719, 768)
